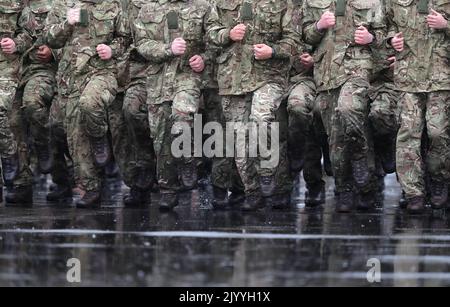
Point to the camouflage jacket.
(423, 66)
(79, 59)
(34, 16)
(159, 23)
(10, 27)
(337, 57)
(268, 22)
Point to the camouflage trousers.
(142, 157)
(162, 118)
(87, 118)
(262, 106)
(30, 121)
(305, 131)
(8, 145)
(384, 110)
(420, 112)
(63, 165)
(344, 113)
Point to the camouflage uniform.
(30, 113)
(10, 12)
(422, 75)
(141, 157)
(90, 84)
(173, 88)
(253, 90)
(342, 73)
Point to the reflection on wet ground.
(195, 246)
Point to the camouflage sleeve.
(147, 46)
(290, 42)
(378, 26)
(122, 37)
(311, 34)
(217, 33)
(391, 26)
(23, 36)
(57, 29)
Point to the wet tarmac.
(195, 246)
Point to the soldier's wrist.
(168, 51)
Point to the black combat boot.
(60, 192)
(439, 194)
(366, 201)
(168, 201)
(136, 198)
(403, 202)
(361, 173)
(220, 201)
(101, 151)
(253, 202)
(145, 179)
(416, 205)
(236, 198)
(20, 196)
(344, 202)
(315, 195)
(90, 200)
(268, 186)
(387, 157)
(280, 201)
(189, 175)
(10, 166)
(45, 158)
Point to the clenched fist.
(104, 52)
(363, 36)
(307, 60)
(197, 64)
(436, 20)
(327, 21)
(262, 52)
(73, 16)
(178, 46)
(8, 46)
(238, 32)
(44, 54)
(398, 42)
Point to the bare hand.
(73, 16)
(238, 32)
(363, 36)
(8, 46)
(327, 21)
(307, 60)
(197, 64)
(104, 52)
(262, 52)
(398, 42)
(436, 20)
(44, 54)
(178, 46)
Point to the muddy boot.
(45, 158)
(236, 198)
(344, 202)
(387, 157)
(10, 166)
(59, 193)
(253, 202)
(101, 151)
(416, 205)
(189, 176)
(361, 173)
(220, 201)
(280, 201)
(135, 198)
(90, 200)
(315, 195)
(168, 201)
(20, 195)
(439, 194)
(267, 186)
